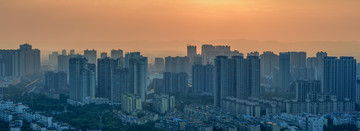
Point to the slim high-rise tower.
(105, 68)
(268, 62)
(82, 79)
(137, 75)
(191, 53)
(221, 79)
(284, 69)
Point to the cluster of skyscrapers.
(229, 76)
(104, 77)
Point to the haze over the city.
(164, 27)
(180, 65)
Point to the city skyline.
(180, 65)
(162, 27)
(180, 49)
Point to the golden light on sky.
(168, 25)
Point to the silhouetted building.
(130, 55)
(175, 82)
(91, 56)
(131, 103)
(191, 53)
(55, 80)
(115, 54)
(105, 68)
(298, 65)
(236, 77)
(284, 71)
(159, 64)
(319, 71)
(339, 77)
(197, 60)
(119, 84)
(29, 59)
(177, 64)
(63, 63)
(268, 62)
(209, 52)
(81, 78)
(103, 54)
(303, 88)
(202, 78)
(72, 52)
(253, 54)
(63, 52)
(10, 63)
(137, 65)
(157, 85)
(247, 77)
(312, 64)
(357, 95)
(221, 79)
(24, 61)
(53, 58)
(163, 103)
(358, 69)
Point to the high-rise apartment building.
(91, 56)
(268, 62)
(198, 60)
(159, 64)
(221, 79)
(236, 77)
(20, 62)
(284, 72)
(105, 68)
(202, 78)
(63, 63)
(175, 82)
(137, 65)
(116, 54)
(29, 59)
(358, 69)
(119, 84)
(255, 53)
(53, 58)
(319, 71)
(177, 64)
(103, 55)
(130, 55)
(191, 53)
(298, 65)
(10, 63)
(55, 80)
(63, 52)
(82, 79)
(303, 88)
(72, 52)
(357, 95)
(339, 77)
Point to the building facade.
(202, 78)
(82, 79)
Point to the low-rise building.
(131, 103)
(163, 103)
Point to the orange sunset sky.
(165, 27)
